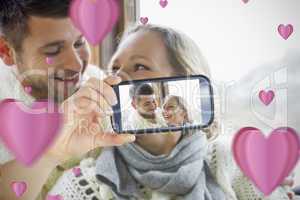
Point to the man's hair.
(140, 89)
(14, 15)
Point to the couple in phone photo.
(145, 112)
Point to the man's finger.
(112, 139)
(87, 94)
(113, 80)
(104, 88)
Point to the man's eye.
(49, 54)
(138, 67)
(52, 51)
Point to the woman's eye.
(115, 69)
(79, 44)
(138, 67)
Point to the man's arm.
(34, 176)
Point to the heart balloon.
(74, 13)
(28, 89)
(94, 18)
(144, 20)
(18, 187)
(27, 132)
(285, 31)
(163, 3)
(76, 171)
(266, 97)
(266, 161)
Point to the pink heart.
(18, 187)
(28, 89)
(76, 171)
(73, 13)
(285, 30)
(94, 18)
(266, 97)
(27, 132)
(49, 60)
(238, 148)
(54, 197)
(163, 3)
(266, 161)
(144, 20)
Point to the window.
(102, 54)
(234, 37)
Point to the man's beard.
(148, 116)
(54, 90)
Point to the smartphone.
(163, 105)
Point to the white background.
(234, 37)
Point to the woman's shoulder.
(75, 179)
(219, 159)
(219, 152)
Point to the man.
(43, 50)
(146, 114)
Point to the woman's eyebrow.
(138, 56)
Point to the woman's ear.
(6, 53)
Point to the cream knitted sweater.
(229, 177)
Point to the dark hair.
(14, 15)
(140, 89)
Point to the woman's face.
(142, 55)
(173, 113)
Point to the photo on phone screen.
(163, 104)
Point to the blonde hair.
(182, 104)
(183, 54)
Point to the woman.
(175, 111)
(156, 166)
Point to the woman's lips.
(167, 116)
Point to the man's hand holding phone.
(91, 104)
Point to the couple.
(147, 114)
(149, 167)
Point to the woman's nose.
(123, 74)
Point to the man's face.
(53, 58)
(146, 105)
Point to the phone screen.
(163, 104)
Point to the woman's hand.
(83, 113)
(289, 182)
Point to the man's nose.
(153, 106)
(73, 62)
